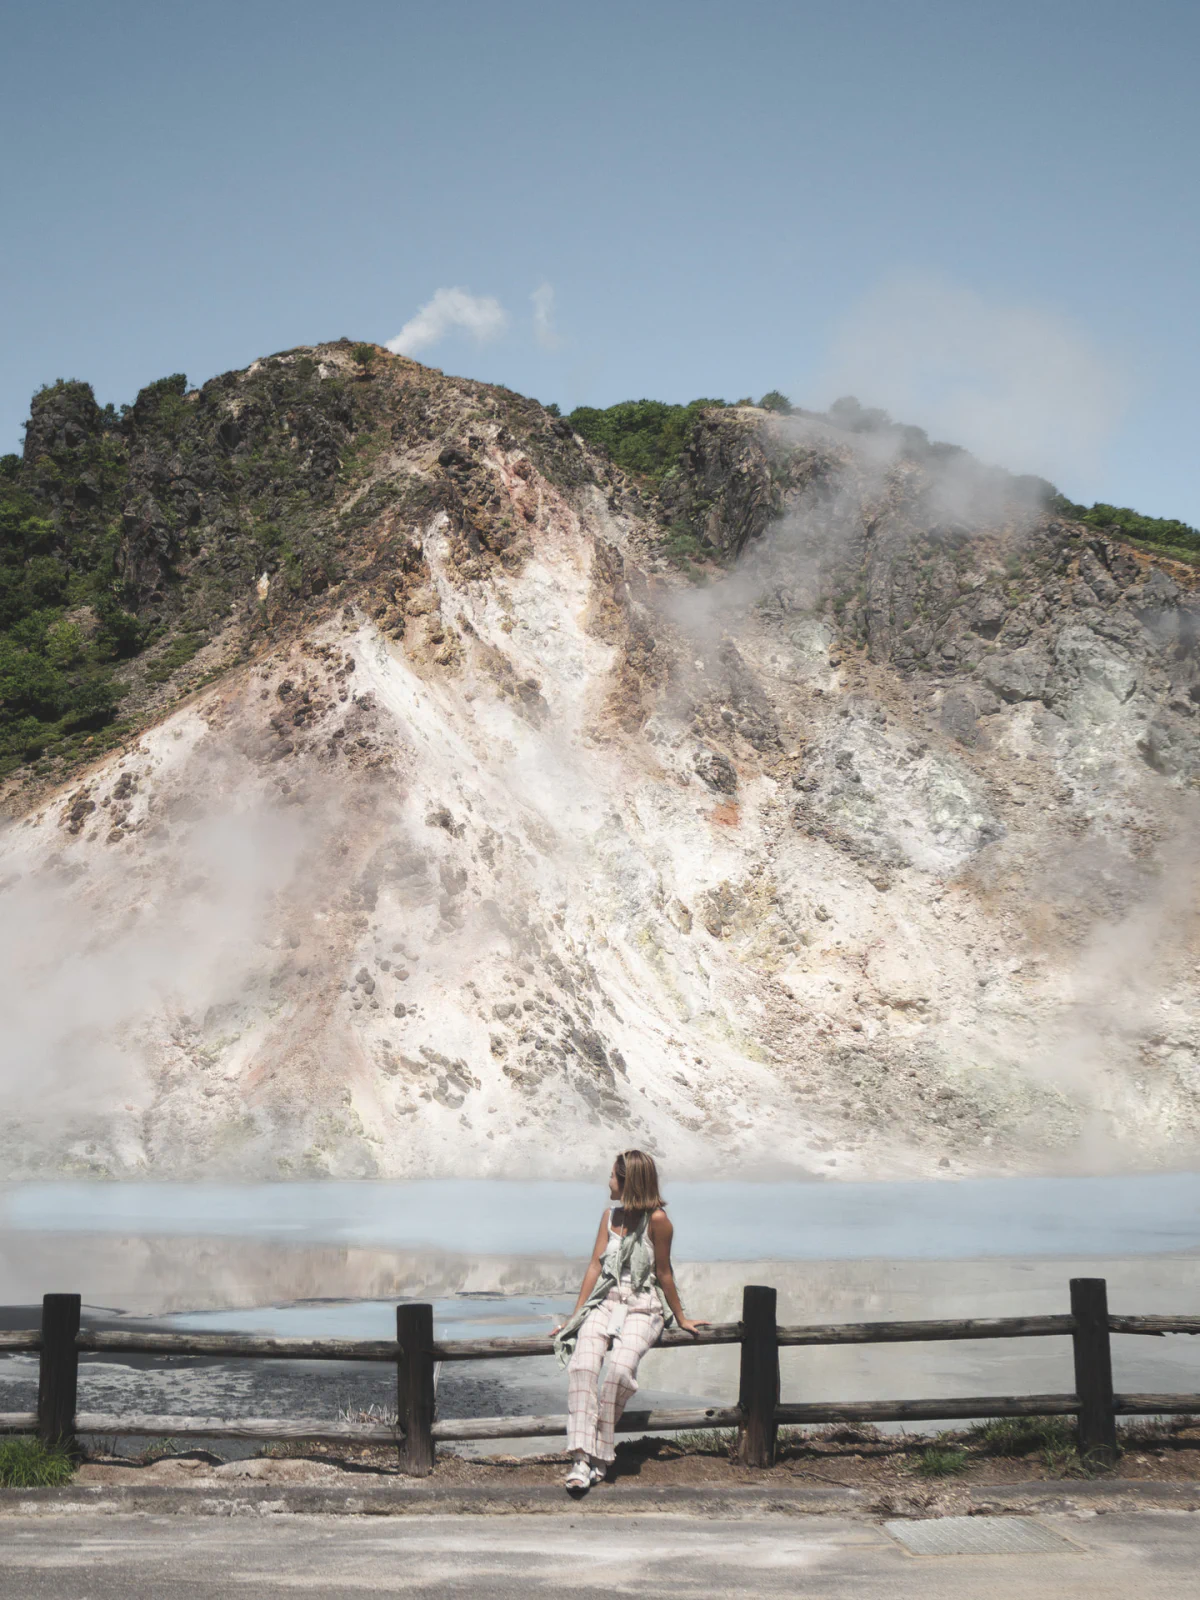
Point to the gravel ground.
(859, 1458)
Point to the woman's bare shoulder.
(660, 1222)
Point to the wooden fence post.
(1093, 1372)
(414, 1388)
(758, 1391)
(58, 1371)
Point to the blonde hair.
(638, 1177)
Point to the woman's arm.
(661, 1234)
(593, 1268)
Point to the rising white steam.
(1016, 384)
(544, 329)
(72, 985)
(482, 316)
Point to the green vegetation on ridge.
(646, 437)
(1165, 533)
(128, 537)
(134, 533)
(64, 621)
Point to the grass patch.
(1051, 1438)
(1021, 1436)
(940, 1461)
(1064, 1462)
(1188, 554)
(176, 654)
(705, 1441)
(26, 1463)
(1154, 1430)
(844, 1433)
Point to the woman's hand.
(686, 1325)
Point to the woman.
(627, 1297)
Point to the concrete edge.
(423, 1500)
(1095, 1494)
(427, 1500)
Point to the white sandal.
(580, 1478)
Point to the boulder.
(1020, 675)
(1080, 654)
(989, 614)
(716, 770)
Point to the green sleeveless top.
(630, 1255)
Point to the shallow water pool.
(1122, 1215)
(505, 1258)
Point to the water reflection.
(970, 1218)
(334, 1259)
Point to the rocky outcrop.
(736, 477)
(937, 566)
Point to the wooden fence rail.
(757, 1416)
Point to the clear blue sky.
(981, 215)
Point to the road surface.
(116, 1557)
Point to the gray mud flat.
(250, 1286)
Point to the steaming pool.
(499, 1257)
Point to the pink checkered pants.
(594, 1407)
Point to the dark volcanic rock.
(716, 770)
(63, 418)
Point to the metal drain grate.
(977, 1536)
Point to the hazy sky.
(982, 216)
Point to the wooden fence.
(757, 1415)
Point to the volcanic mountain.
(454, 802)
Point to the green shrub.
(1167, 532)
(26, 1463)
(1021, 1436)
(176, 654)
(646, 437)
(64, 644)
(160, 406)
(1066, 1463)
(53, 677)
(940, 1461)
(774, 401)
(849, 413)
(682, 546)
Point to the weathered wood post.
(58, 1371)
(414, 1388)
(1093, 1372)
(758, 1391)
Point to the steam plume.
(544, 330)
(1013, 383)
(482, 316)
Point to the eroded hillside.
(477, 831)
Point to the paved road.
(86, 1557)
